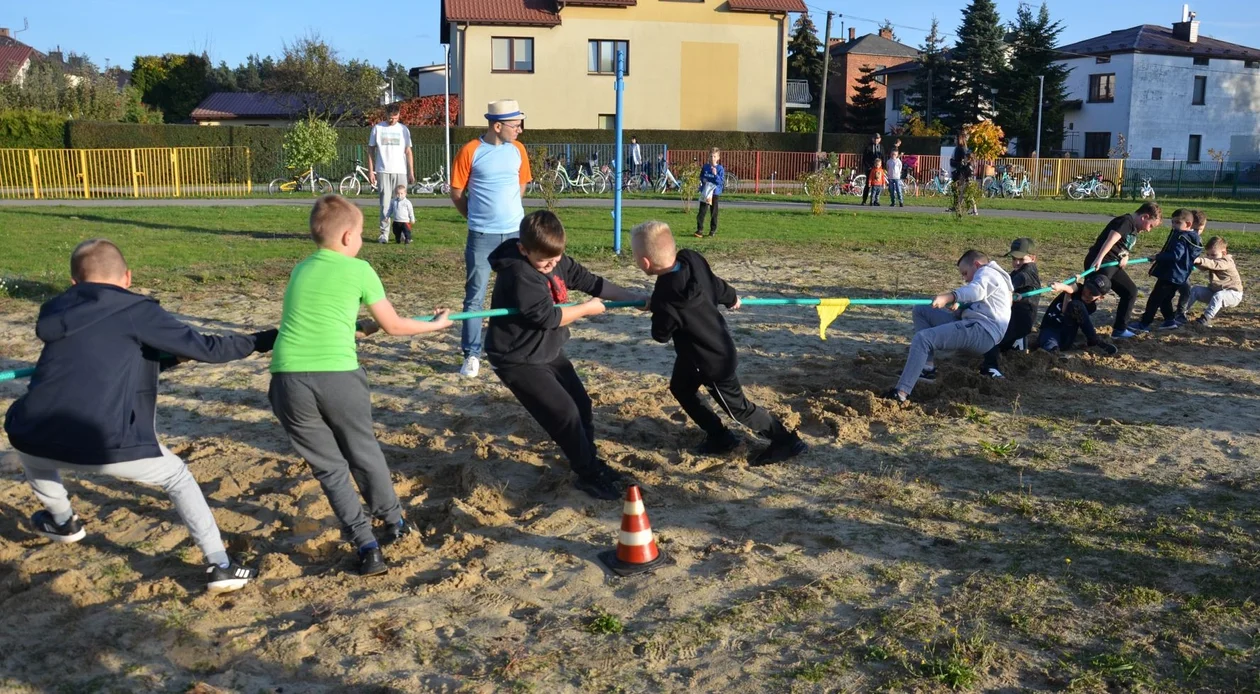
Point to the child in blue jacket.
(1171, 269)
(712, 183)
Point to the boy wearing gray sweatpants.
(979, 320)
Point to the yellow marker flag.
(828, 311)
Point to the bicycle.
(353, 183)
(433, 184)
(853, 184)
(666, 182)
(730, 183)
(298, 183)
(1093, 185)
(1147, 191)
(939, 184)
(562, 182)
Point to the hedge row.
(265, 143)
(28, 129)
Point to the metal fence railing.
(161, 172)
(1194, 179)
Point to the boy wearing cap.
(1025, 279)
(488, 179)
(1070, 314)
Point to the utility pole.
(1041, 101)
(822, 105)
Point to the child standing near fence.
(712, 180)
(402, 214)
(895, 194)
(877, 180)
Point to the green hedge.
(32, 129)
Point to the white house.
(1171, 92)
(898, 81)
(430, 79)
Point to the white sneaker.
(471, 367)
(383, 238)
(992, 373)
(1123, 334)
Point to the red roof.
(767, 5)
(601, 3)
(12, 57)
(511, 12)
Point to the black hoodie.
(533, 336)
(92, 399)
(684, 308)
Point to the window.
(898, 99)
(1200, 61)
(1200, 91)
(602, 56)
(1192, 152)
(882, 79)
(1252, 64)
(1102, 60)
(607, 121)
(1097, 145)
(511, 54)
(1157, 153)
(1102, 88)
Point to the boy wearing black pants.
(1024, 278)
(1113, 245)
(533, 275)
(1172, 268)
(684, 309)
(1070, 314)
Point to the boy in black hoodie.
(684, 309)
(1025, 279)
(91, 404)
(533, 275)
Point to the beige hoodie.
(1223, 272)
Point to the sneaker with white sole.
(471, 367)
(70, 531)
(227, 579)
(1125, 334)
(383, 238)
(928, 375)
(991, 372)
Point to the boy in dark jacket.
(1070, 314)
(1172, 268)
(684, 309)
(92, 402)
(534, 276)
(1025, 279)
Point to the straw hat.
(507, 109)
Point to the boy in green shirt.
(319, 393)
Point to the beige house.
(691, 64)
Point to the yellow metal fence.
(157, 172)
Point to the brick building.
(848, 57)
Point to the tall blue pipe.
(620, 155)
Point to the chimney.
(885, 34)
(4, 33)
(852, 34)
(1188, 28)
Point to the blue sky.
(407, 32)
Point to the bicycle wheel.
(1105, 189)
(280, 185)
(859, 185)
(986, 184)
(323, 186)
(555, 180)
(1074, 191)
(445, 188)
(349, 185)
(731, 183)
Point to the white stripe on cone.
(636, 539)
(633, 508)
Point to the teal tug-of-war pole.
(837, 304)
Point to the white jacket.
(894, 168)
(989, 294)
(401, 211)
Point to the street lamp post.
(1041, 98)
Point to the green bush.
(25, 128)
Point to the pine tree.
(404, 87)
(930, 93)
(977, 63)
(1033, 55)
(866, 111)
(805, 57)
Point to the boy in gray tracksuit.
(974, 328)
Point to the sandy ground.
(894, 508)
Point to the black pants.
(1075, 321)
(866, 189)
(1161, 298)
(685, 385)
(713, 221)
(555, 397)
(1183, 299)
(402, 231)
(1023, 315)
(1126, 294)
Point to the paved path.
(598, 203)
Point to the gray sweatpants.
(938, 329)
(168, 472)
(1225, 298)
(386, 182)
(328, 417)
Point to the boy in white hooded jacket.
(975, 328)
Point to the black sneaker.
(226, 580)
(1203, 321)
(1180, 318)
(928, 375)
(896, 395)
(718, 445)
(779, 451)
(70, 531)
(372, 562)
(395, 532)
(1106, 348)
(606, 484)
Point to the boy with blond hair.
(526, 349)
(684, 310)
(402, 214)
(318, 391)
(91, 405)
(1225, 287)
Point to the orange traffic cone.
(636, 548)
